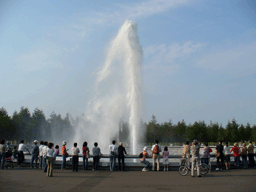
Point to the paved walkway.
(25, 179)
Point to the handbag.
(88, 154)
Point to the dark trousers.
(85, 162)
(45, 164)
(63, 165)
(2, 159)
(119, 163)
(20, 157)
(205, 160)
(96, 162)
(75, 162)
(33, 158)
(251, 160)
(218, 161)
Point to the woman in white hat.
(144, 155)
(35, 154)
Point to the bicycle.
(184, 168)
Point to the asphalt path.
(26, 179)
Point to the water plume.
(118, 94)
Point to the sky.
(199, 60)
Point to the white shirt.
(40, 150)
(49, 152)
(160, 149)
(226, 150)
(44, 150)
(113, 148)
(22, 147)
(75, 151)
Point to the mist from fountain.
(118, 94)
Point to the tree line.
(28, 126)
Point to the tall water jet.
(118, 92)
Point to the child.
(56, 151)
(166, 158)
(15, 152)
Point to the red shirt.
(84, 150)
(64, 151)
(235, 151)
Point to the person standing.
(235, 150)
(186, 153)
(34, 153)
(44, 152)
(219, 155)
(75, 152)
(2, 153)
(156, 149)
(56, 152)
(206, 154)
(250, 149)
(144, 155)
(50, 159)
(86, 153)
(195, 158)
(113, 154)
(21, 149)
(121, 152)
(96, 156)
(64, 155)
(227, 155)
(41, 154)
(244, 156)
(166, 158)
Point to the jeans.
(45, 164)
(2, 159)
(40, 161)
(85, 162)
(112, 162)
(146, 163)
(156, 158)
(63, 165)
(195, 164)
(245, 161)
(119, 163)
(20, 157)
(96, 162)
(33, 158)
(205, 160)
(237, 159)
(75, 162)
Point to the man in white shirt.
(44, 152)
(75, 152)
(41, 154)
(156, 149)
(21, 149)
(113, 154)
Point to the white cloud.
(240, 59)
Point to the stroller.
(8, 159)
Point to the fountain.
(118, 94)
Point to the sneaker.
(144, 169)
(217, 169)
(93, 169)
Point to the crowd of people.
(46, 155)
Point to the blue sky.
(199, 56)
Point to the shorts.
(227, 159)
(165, 161)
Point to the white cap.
(64, 142)
(35, 141)
(145, 149)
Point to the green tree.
(241, 133)
(248, 132)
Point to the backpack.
(140, 155)
(156, 150)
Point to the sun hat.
(35, 141)
(145, 148)
(64, 142)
